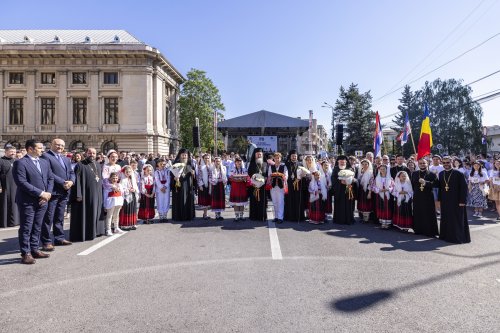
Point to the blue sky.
(291, 56)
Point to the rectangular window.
(48, 78)
(48, 111)
(111, 110)
(79, 111)
(111, 78)
(79, 78)
(16, 111)
(16, 78)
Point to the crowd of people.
(107, 194)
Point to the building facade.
(318, 139)
(91, 88)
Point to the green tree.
(200, 98)
(456, 120)
(409, 102)
(353, 109)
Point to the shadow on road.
(364, 301)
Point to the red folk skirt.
(128, 213)
(403, 217)
(239, 193)
(204, 198)
(317, 210)
(218, 197)
(383, 209)
(365, 205)
(147, 205)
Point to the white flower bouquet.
(347, 176)
(257, 180)
(177, 169)
(302, 172)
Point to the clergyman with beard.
(183, 188)
(295, 200)
(258, 198)
(87, 220)
(424, 212)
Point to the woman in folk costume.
(383, 186)
(238, 196)
(317, 197)
(403, 194)
(365, 179)
(147, 201)
(309, 163)
(202, 175)
(128, 213)
(162, 189)
(218, 181)
(477, 189)
(326, 177)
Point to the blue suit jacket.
(60, 174)
(30, 182)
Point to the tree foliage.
(455, 118)
(353, 109)
(199, 98)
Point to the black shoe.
(220, 218)
(275, 220)
(133, 227)
(280, 221)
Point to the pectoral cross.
(446, 188)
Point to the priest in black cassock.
(295, 200)
(344, 198)
(452, 195)
(424, 212)
(87, 219)
(9, 214)
(183, 187)
(258, 198)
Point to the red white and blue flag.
(378, 138)
(406, 130)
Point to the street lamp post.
(326, 105)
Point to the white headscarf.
(203, 170)
(365, 177)
(380, 182)
(216, 172)
(405, 186)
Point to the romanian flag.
(378, 138)
(425, 142)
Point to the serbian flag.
(378, 138)
(425, 142)
(400, 137)
(407, 130)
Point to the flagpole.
(413, 141)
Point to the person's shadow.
(9, 246)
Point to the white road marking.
(275, 242)
(100, 244)
(498, 280)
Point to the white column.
(30, 117)
(63, 112)
(94, 117)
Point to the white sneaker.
(109, 233)
(119, 230)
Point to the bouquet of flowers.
(347, 176)
(177, 169)
(257, 180)
(302, 172)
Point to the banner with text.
(267, 143)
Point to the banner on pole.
(267, 143)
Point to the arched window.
(108, 145)
(76, 145)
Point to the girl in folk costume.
(238, 196)
(326, 177)
(111, 166)
(113, 202)
(218, 181)
(403, 194)
(494, 194)
(277, 176)
(147, 202)
(162, 189)
(128, 213)
(477, 189)
(317, 198)
(365, 179)
(203, 172)
(383, 186)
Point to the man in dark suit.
(64, 178)
(34, 182)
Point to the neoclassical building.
(100, 88)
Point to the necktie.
(37, 163)
(61, 161)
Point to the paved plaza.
(226, 276)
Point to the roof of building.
(263, 119)
(67, 37)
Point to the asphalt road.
(213, 276)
